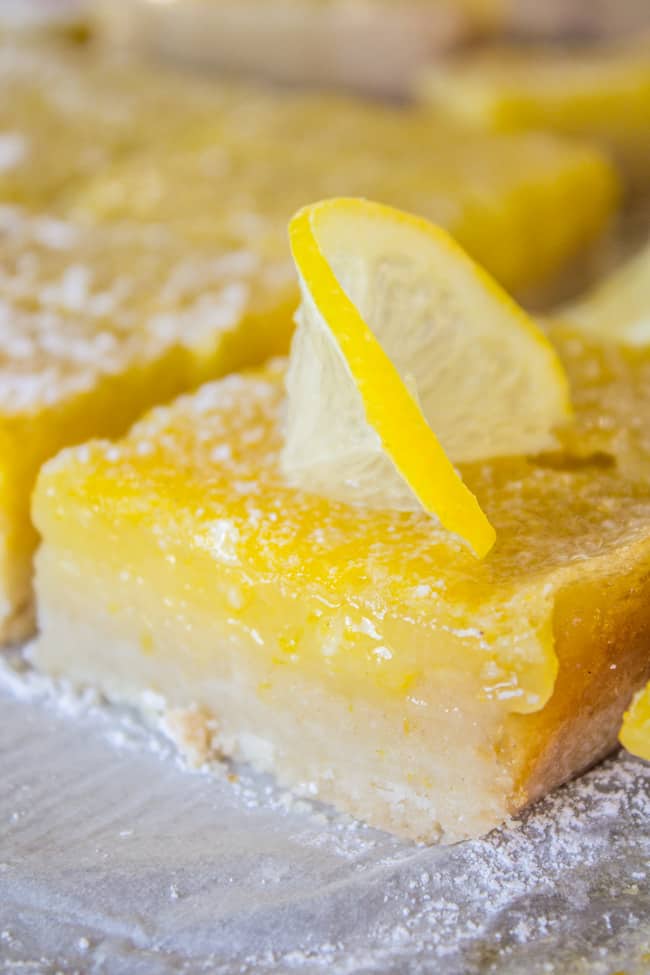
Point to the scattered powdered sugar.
(229, 873)
(122, 727)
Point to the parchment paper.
(114, 859)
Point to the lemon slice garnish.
(618, 310)
(635, 733)
(400, 334)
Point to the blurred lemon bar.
(524, 205)
(98, 325)
(600, 93)
(360, 651)
(80, 110)
(222, 162)
(37, 123)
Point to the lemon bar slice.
(97, 326)
(600, 93)
(361, 654)
(80, 110)
(227, 165)
(504, 197)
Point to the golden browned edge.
(603, 653)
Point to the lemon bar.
(220, 162)
(98, 325)
(362, 655)
(80, 110)
(504, 197)
(600, 93)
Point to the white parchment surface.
(114, 859)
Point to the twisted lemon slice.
(408, 358)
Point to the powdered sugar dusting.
(77, 304)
